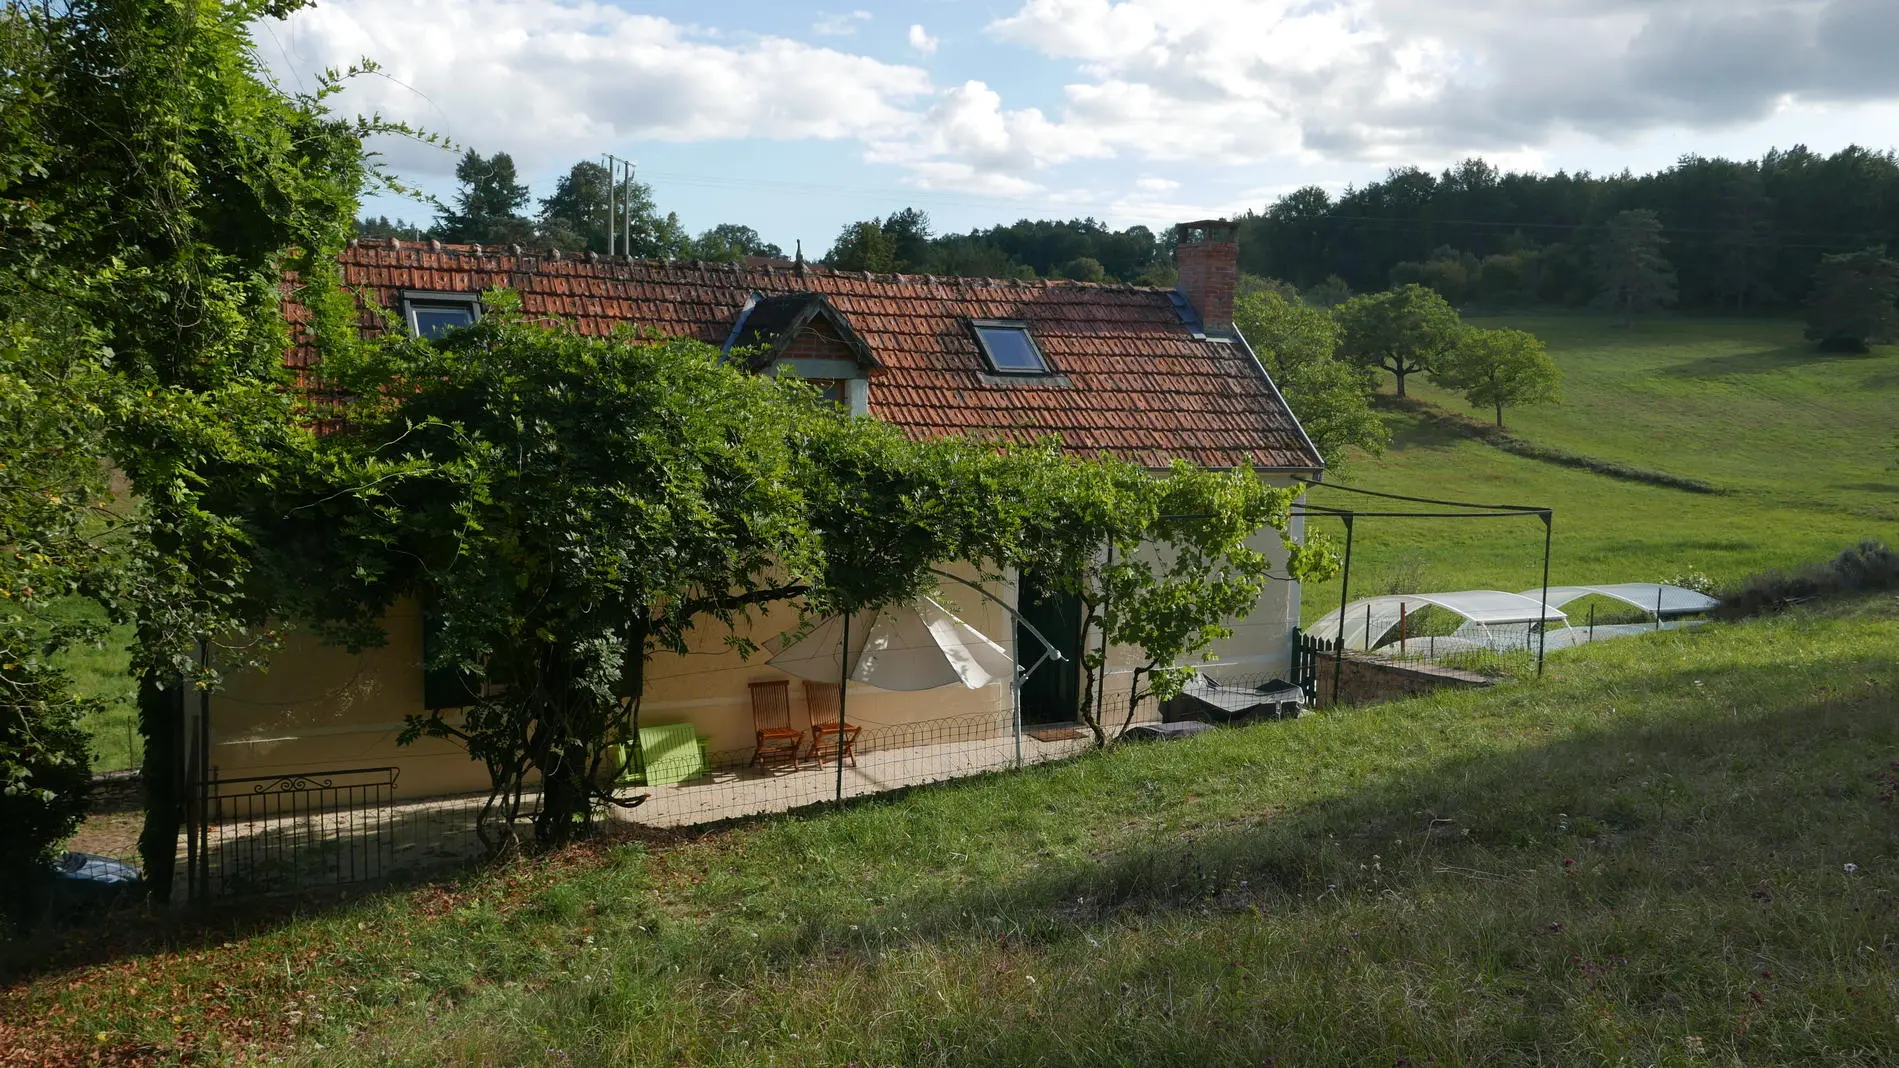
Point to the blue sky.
(797, 119)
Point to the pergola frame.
(1472, 511)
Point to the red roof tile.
(1134, 380)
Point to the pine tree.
(1746, 242)
(488, 204)
(1852, 303)
(1631, 273)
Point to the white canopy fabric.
(1490, 614)
(1568, 637)
(915, 646)
(1673, 600)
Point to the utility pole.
(608, 161)
(619, 205)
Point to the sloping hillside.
(1677, 846)
(1803, 444)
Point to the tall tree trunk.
(1089, 683)
(1499, 415)
(161, 719)
(566, 801)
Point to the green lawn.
(101, 670)
(1677, 849)
(1805, 444)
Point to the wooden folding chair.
(778, 742)
(830, 740)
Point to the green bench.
(669, 753)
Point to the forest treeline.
(1735, 235)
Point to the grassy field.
(1805, 446)
(100, 670)
(1678, 849)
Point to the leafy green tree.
(575, 216)
(1163, 565)
(51, 481)
(1501, 368)
(1452, 274)
(383, 226)
(488, 205)
(863, 246)
(1852, 303)
(730, 243)
(1298, 345)
(1405, 331)
(1250, 284)
(1632, 276)
(1084, 269)
(567, 507)
(1159, 275)
(155, 187)
(1329, 293)
(909, 232)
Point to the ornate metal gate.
(286, 833)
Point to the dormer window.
(1006, 344)
(431, 315)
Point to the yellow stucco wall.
(319, 707)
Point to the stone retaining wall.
(116, 791)
(1367, 680)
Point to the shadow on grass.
(1690, 846)
(1765, 361)
(1799, 782)
(1412, 430)
(133, 930)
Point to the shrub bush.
(1868, 567)
(44, 775)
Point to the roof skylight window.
(1007, 346)
(431, 315)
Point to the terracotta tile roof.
(1132, 379)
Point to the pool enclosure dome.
(1493, 619)
(1502, 622)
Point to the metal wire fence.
(877, 758)
(1229, 698)
(297, 833)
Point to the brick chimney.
(1208, 255)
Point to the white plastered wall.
(1260, 647)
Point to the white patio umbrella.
(919, 645)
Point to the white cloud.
(560, 81)
(965, 178)
(969, 125)
(1326, 86)
(1242, 81)
(842, 24)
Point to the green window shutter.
(443, 687)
